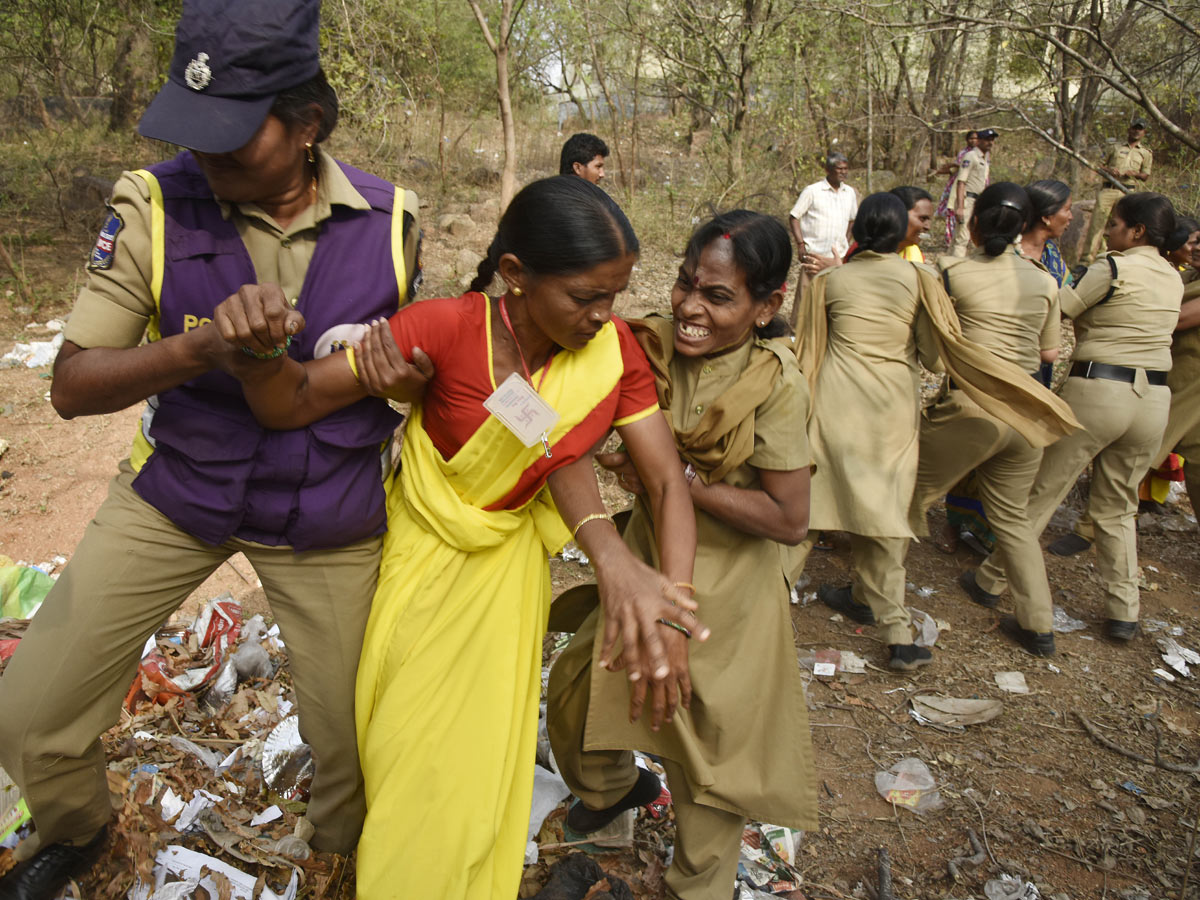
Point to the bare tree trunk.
(870, 117)
(508, 175)
(987, 85)
(499, 46)
(599, 69)
(634, 144)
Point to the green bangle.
(274, 354)
(676, 626)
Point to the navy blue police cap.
(989, 134)
(232, 57)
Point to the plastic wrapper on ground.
(909, 784)
(1064, 623)
(22, 589)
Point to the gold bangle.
(589, 518)
(685, 584)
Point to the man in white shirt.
(820, 222)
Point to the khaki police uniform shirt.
(116, 303)
(974, 171)
(1127, 159)
(1007, 304)
(745, 598)
(866, 404)
(1133, 327)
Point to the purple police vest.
(215, 472)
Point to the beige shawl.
(723, 439)
(997, 386)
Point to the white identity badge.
(522, 411)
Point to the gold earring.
(516, 291)
(308, 149)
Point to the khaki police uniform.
(1182, 434)
(134, 567)
(1122, 407)
(864, 425)
(1010, 306)
(973, 174)
(716, 784)
(1126, 159)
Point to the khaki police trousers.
(878, 565)
(65, 684)
(1122, 428)
(1095, 245)
(879, 583)
(962, 231)
(707, 840)
(957, 437)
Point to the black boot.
(967, 582)
(1038, 644)
(44, 875)
(906, 657)
(582, 820)
(1068, 545)
(1120, 631)
(841, 599)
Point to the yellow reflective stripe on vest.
(158, 231)
(141, 450)
(398, 245)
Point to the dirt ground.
(1046, 799)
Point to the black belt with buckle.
(972, 195)
(1115, 373)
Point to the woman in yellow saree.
(450, 676)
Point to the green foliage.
(386, 55)
(740, 97)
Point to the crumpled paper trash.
(1010, 887)
(189, 870)
(1177, 656)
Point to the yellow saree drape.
(450, 676)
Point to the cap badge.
(197, 74)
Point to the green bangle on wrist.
(676, 626)
(274, 354)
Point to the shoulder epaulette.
(1112, 279)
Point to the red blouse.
(453, 332)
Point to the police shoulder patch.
(106, 243)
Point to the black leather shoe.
(47, 873)
(967, 582)
(1068, 545)
(906, 657)
(582, 820)
(841, 599)
(1036, 643)
(1121, 631)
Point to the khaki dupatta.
(1000, 388)
(723, 439)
